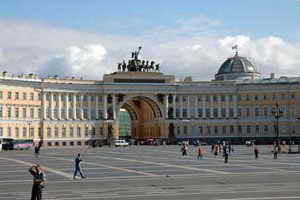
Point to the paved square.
(153, 172)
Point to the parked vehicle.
(121, 143)
(13, 144)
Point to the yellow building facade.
(236, 106)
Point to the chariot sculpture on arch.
(137, 65)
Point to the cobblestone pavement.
(153, 172)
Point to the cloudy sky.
(189, 38)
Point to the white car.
(119, 143)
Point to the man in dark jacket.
(77, 167)
(39, 178)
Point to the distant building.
(236, 106)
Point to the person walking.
(226, 156)
(184, 149)
(200, 153)
(39, 178)
(276, 151)
(256, 151)
(77, 167)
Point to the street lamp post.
(277, 113)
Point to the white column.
(81, 107)
(97, 107)
(211, 106)
(227, 105)
(51, 106)
(67, 105)
(174, 106)
(74, 106)
(114, 106)
(235, 106)
(219, 106)
(44, 106)
(188, 107)
(196, 106)
(59, 105)
(204, 106)
(89, 107)
(105, 106)
(180, 107)
(166, 105)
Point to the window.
(9, 131)
(200, 112)
(257, 128)
(248, 129)
(178, 130)
(231, 129)
(24, 113)
(199, 98)
(71, 132)
(266, 111)
(40, 132)
(177, 113)
(9, 95)
(39, 96)
(185, 130)
(248, 112)
(49, 134)
(240, 129)
(64, 132)
(223, 98)
(215, 112)
(223, 112)
(215, 98)
(208, 130)
(9, 112)
(231, 112)
(266, 128)
(64, 143)
(256, 111)
(256, 98)
(24, 96)
(1, 95)
(56, 143)
(207, 112)
(93, 131)
(79, 143)
(207, 98)
(31, 96)
(1, 111)
(247, 97)
(40, 113)
(1, 131)
(71, 143)
(86, 131)
(184, 113)
(230, 98)
(292, 96)
(24, 132)
(265, 97)
(32, 113)
(200, 130)
(17, 113)
(216, 130)
(78, 132)
(224, 130)
(17, 96)
(56, 132)
(17, 132)
(49, 143)
(239, 112)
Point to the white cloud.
(183, 51)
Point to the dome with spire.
(235, 68)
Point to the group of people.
(39, 176)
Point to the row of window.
(71, 113)
(21, 112)
(70, 97)
(21, 96)
(71, 143)
(225, 130)
(230, 98)
(51, 132)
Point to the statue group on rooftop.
(137, 65)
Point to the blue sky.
(162, 24)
